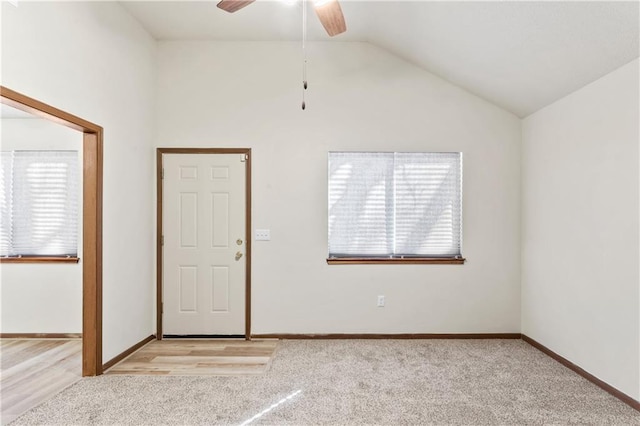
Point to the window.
(395, 207)
(39, 203)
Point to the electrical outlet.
(263, 234)
(380, 301)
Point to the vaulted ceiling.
(519, 55)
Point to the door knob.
(238, 255)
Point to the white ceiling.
(519, 55)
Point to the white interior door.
(203, 211)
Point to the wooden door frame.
(91, 221)
(159, 256)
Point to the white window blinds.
(39, 203)
(395, 204)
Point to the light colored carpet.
(340, 382)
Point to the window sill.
(39, 259)
(394, 260)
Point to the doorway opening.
(92, 220)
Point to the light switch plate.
(263, 234)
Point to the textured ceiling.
(521, 56)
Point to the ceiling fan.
(329, 12)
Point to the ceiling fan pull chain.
(304, 51)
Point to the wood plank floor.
(182, 357)
(34, 370)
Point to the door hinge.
(244, 157)
(162, 307)
(162, 240)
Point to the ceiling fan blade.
(234, 5)
(330, 14)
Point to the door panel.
(188, 212)
(188, 289)
(204, 226)
(220, 288)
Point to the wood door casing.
(246, 155)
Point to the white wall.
(580, 278)
(95, 61)
(215, 94)
(41, 298)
